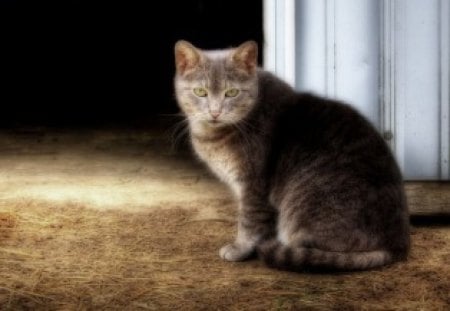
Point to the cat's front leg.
(242, 248)
(256, 221)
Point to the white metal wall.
(388, 58)
(421, 36)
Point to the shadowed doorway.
(80, 63)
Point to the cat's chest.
(223, 159)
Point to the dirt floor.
(119, 220)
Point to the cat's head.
(216, 88)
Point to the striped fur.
(316, 185)
(299, 258)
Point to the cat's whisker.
(247, 141)
(178, 132)
(249, 127)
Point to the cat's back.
(323, 122)
(310, 118)
(310, 130)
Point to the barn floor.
(118, 220)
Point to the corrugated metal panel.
(338, 51)
(387, 73)
(280, 29)
(421, 100)
(389, 58)
(311, 66)
(444, 8)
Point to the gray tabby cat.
(317, 186)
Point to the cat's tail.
(280, 256)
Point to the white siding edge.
(279, 44)
(444, 31)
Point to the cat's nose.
(215, 113)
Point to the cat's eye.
(200, 92)
(232, 92)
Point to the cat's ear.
(245, 56)
(187, 56)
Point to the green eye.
(200, 92)
(232, 93)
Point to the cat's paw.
(236, 252)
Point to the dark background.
(86, 63)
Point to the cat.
(316, 185)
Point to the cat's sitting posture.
(316, 184)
